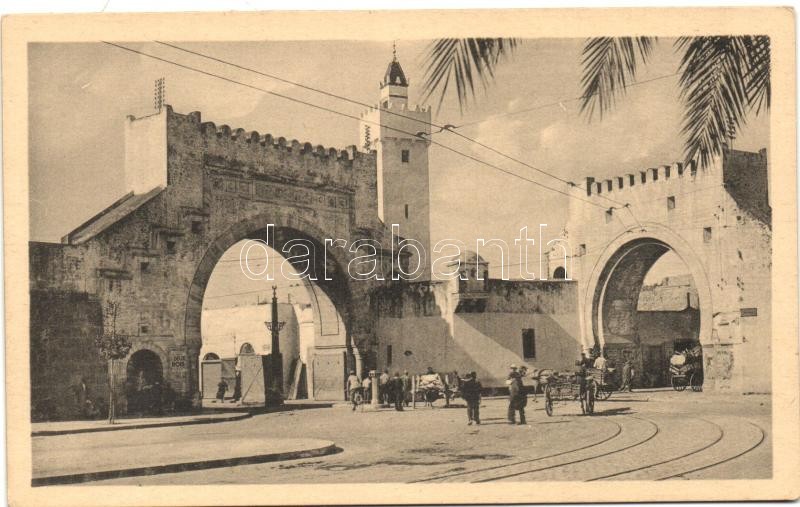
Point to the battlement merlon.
(733, 167)
(146, 141)
(253, 138)
(596, 187)
(400, 108)
(397, 122)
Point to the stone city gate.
(717, 221)
(195, 189)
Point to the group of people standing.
(391, 390)
(397, 390)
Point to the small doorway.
(210, 374)
(144, 383)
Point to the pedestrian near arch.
(471, 392)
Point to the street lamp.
(274, 394)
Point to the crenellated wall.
(154, 249)
(717, 220)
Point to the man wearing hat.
(516, 396)
(471, 392)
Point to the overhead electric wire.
(277, 286)
(294, 83)
(442, 128)
(447, 128)
(334, 111)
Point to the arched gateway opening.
(647, 299)
(230, 306)
(144, 382)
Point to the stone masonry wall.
(222, 185)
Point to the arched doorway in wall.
(231, 305)
(210, 374)
(144, 382)
(646, 303)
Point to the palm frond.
(757, 79)
(464, 62)
(609, 65)
(715, 72)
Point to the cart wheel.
(431, 396)
(548, 401)
(696, 382)
(358, 399)
(678, 383)
(590, 395)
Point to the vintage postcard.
(499, 256)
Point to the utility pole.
(274, 395)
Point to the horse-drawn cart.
(562, 388)
(686, 369)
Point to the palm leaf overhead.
(757, 77)
(609, 65)
(722, 79)
(713, 87)
(463, 62)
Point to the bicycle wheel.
(604, 392)
(358, 399)
(548, 401)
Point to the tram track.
(719, 437)
(614, 435)
(655, 432)
(760, 441)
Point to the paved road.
(639, 436)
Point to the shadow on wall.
(417, 329)
(63, 326)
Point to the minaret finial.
(394, 50)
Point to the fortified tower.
(717, 220)
(400, 135)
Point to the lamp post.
(274, 394)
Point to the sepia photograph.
(432, 261)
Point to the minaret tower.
(400, 134)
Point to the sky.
(81, 93)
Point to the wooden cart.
(581, 387)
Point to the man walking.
(353, 386)
(471, 392)
(517, 399)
